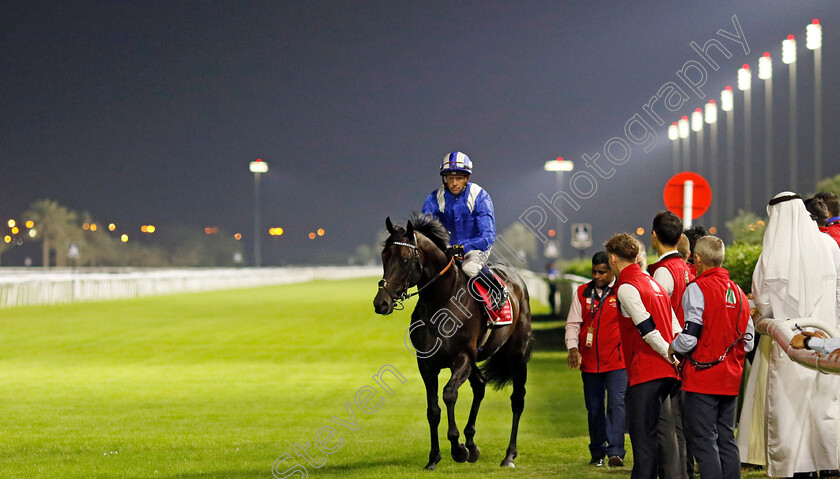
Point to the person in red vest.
(693, 234)
(718, 332)
(833, 204)
(669, 270)
(673, 273)
(819, 212)
(594, 345)
(646, 325)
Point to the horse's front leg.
(478, 383)
(461, 368)
(430, 379)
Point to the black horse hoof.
(475, 453)
(430, 466)
(460, 453)
(507, 463)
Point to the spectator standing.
(594, 344)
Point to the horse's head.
(401, 265)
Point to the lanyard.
(593, 310)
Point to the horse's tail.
(499, 369)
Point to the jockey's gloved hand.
(457, 251)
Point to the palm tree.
(55, 226)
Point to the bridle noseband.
(407, 282)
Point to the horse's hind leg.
(461, 368)
(430, 379)
(478, 385)
(517, 404)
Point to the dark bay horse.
(446, 329)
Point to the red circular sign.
(674, 194)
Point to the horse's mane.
(432, 228)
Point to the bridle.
(408, 282)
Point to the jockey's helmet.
(456, 162)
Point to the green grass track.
(222, 384)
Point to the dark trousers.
(710, 431)
(668, 432)
(644, 403)
(606, 428)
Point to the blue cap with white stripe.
(456, 162)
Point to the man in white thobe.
(794, 408)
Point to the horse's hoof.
(475, 453)
(507, 463)
(460, 453)
(430, 466)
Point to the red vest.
(605, 353)
(643, 363)
(833, 231)
(682, 275)
(723, 300)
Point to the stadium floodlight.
(673, 132)
(727, 102)
(697, 120)
(813, 35)
(789, 50)
(711, 112)
(683, 127)
(765, 67)
(744, 78)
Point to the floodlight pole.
(257, 167)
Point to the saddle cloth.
(495, 318)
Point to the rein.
(398, 301)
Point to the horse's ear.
(389, 225)
(409, 229)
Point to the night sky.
(149, 112)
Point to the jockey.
(466, 211)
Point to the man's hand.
(798, 341)
(574, 358)
(456, 251)
(672, 357)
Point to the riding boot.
(497, 291)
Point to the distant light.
(683, 127)
(7, 239)
(86, 226)
(211, 230)
(697, 120)
(112, 226)
(93, 227)
(789, 50)
(813, 35)
(765, 67)
(124, 238)
(12, 223)
(238, 236)
(712, 230)
(321, 231)
(258, 166)
(744, 78)
(726, 99)
(711, 112)
(552, 233)
(673, 132)
(30, 224)
(15, 230)
(33, 232)
(640, 231)
(312, 235)
(275, 231)
(143, 228)
(559, 165)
